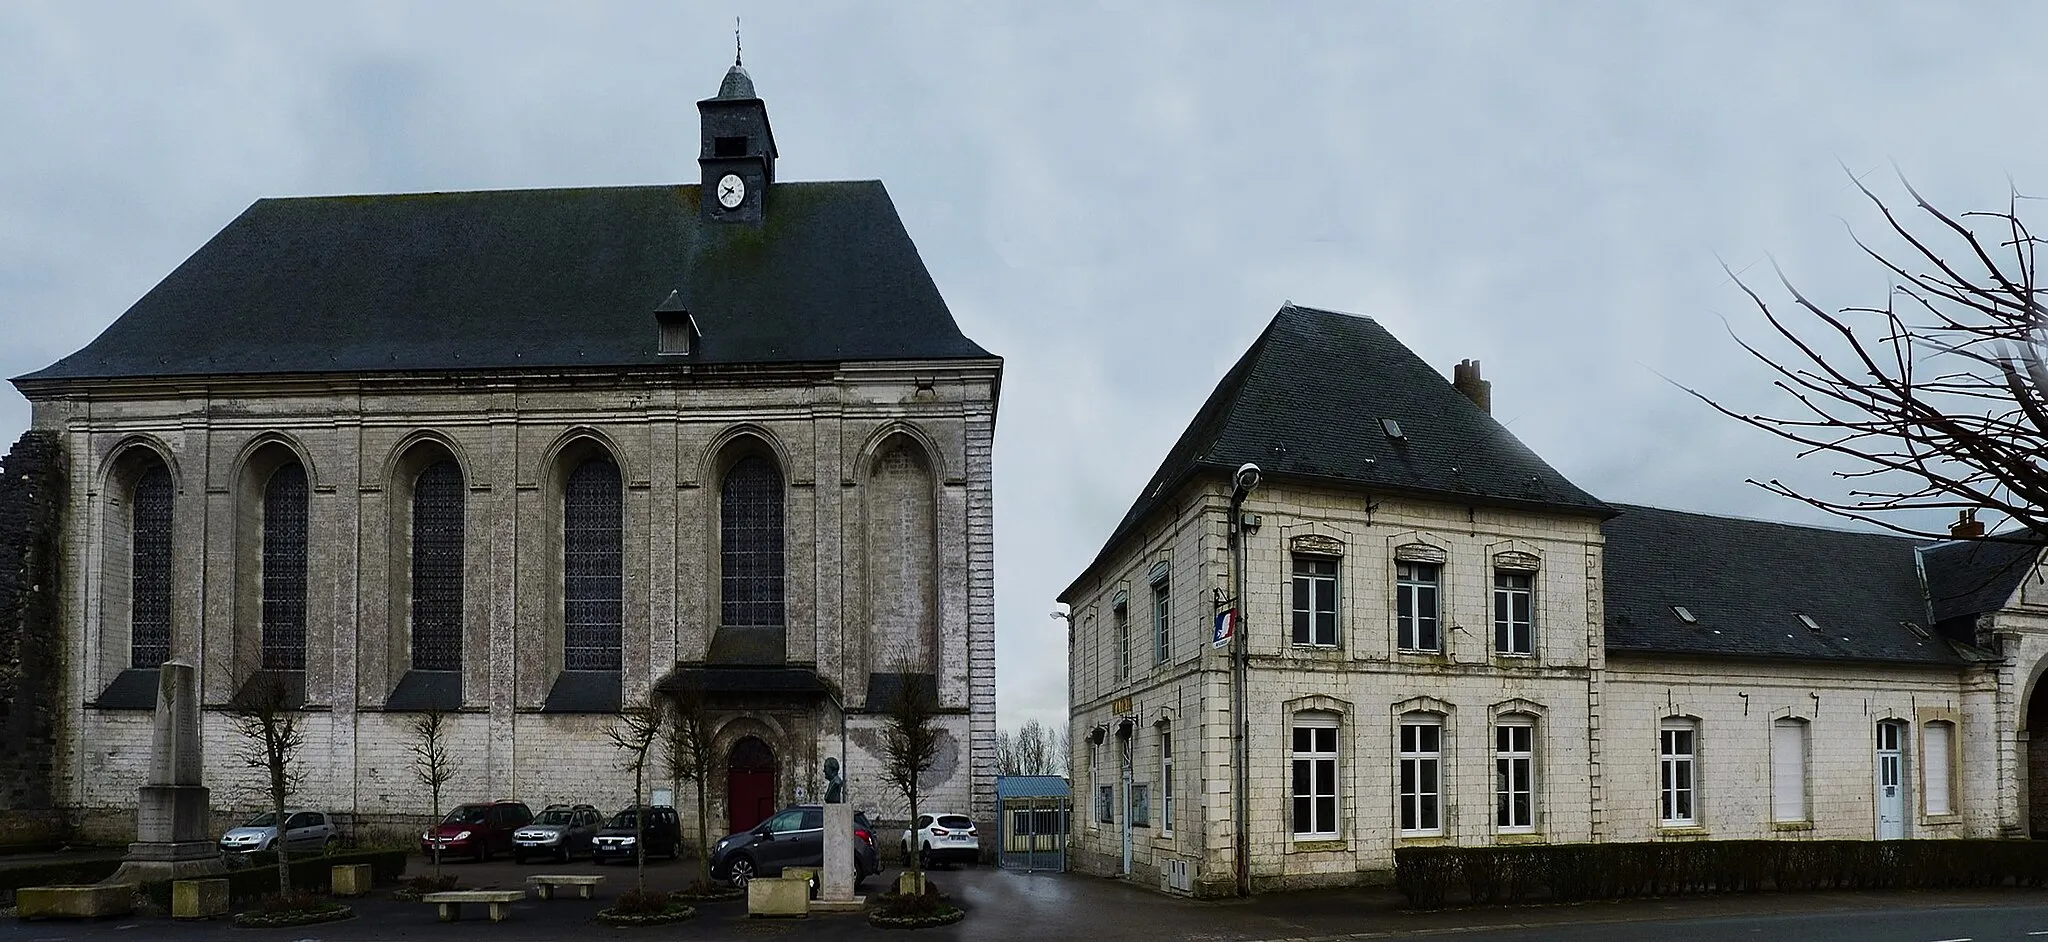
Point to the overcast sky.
(1115, 198)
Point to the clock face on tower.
(731, 191)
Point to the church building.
(528, 456)
(1446, 642)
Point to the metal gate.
(1033, 816)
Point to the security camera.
(1247, 476)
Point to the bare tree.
(691, 759)
(1939, 395)
(265, 712)
(1006, 753)
(432, 764)
(910, 744)
(1033, 757)
(635, 732)
(1062, 752)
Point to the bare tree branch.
(1939, 396)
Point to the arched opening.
(2037, 762)
(749, 784)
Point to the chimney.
(1465, 379)
(1966, 526)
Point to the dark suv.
(663, 833)
(794, 837)
(476, 830)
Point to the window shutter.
(1788, 770)
(1934, 768)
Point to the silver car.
(303, 830)
(560, 831)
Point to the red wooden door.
(749, 784)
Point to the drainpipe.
(1242, 483)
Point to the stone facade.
(1361, 743)
(1595, 716)
(907, 446)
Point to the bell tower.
(737, 151)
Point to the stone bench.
(199, 899)
(74, 902)
(779, 896)
(451, 902)
(544, 884)
(350, 880)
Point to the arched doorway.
(749, 784)
(2037, 762)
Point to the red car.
(476, 830)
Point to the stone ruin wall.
(31, 644)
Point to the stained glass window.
(149, 600)
(437, 504)
(593, 540)
(284, 569)
(750, 544)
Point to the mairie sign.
(1226, 627)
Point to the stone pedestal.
(74, 902)
(173, 813)
(839, 871)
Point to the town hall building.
(527, 457)
(1445, 641)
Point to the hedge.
(314, 874)
(1436, 876)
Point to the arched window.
(750, 544)
(593, 541)
(437, 501)
(149, 609)
(284, 569)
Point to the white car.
(943, 838)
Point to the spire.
(735, 42)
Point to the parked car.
(477, 830)
(663, 833)
(942, 838)
(792, 837)
(559, 831)
(303, 830)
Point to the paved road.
(1074, 908)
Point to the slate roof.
(1746, 582)
(1306, 402)
(1971, 577)
(555, 278)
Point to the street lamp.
(1242, 483)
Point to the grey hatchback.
(794, 837)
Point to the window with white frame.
(1937, 745)
(1162, 625)
(1421, 759)
(1514, 612)
(1315, 775)
(1315, 601)
(1166, 778)
(1514, 775)
(1415, 605)
(1788, 770)
(1678, 773)
(1121, 619)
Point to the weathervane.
(735, 42)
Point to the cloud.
(1114, 197)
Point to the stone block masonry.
(31, 511)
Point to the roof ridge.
(1739, 518)
(520, 190)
